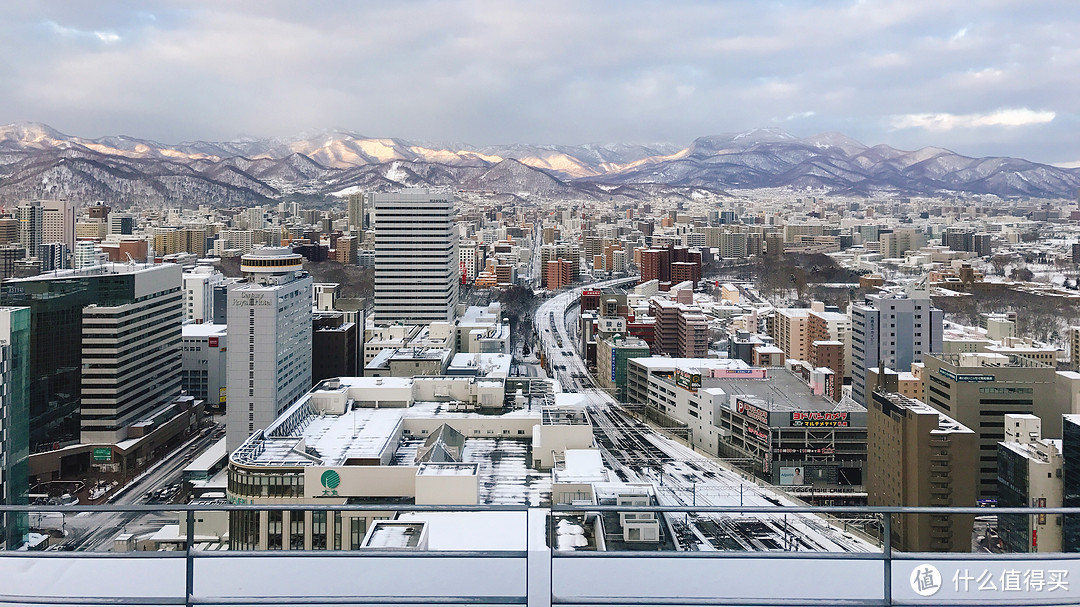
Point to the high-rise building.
(52, 256)
(87, 255)
(14, 420)
(655, 265)
(269, 327)
(792, 332)
(121, 223)
(58, 222)
(9, 230)
(1074, 348)
(978, 389)
(1029, 475)
(918, 456)
(98, 211)
(901, 240)
(9, 255)
(468, 254)
(357, 212)
(121, 341)
(199, 293)
(557, 274)
(1070, 481)
(416, 261)
(170, 241)
(681, 331)
(733, 244)
(31, 223)
(612, 357)
(894, 330)
(571, 253)
(336, 346)
(118, 319)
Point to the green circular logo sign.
(330, 479)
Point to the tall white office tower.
(416, 261)
(269, 357)
(130, 348)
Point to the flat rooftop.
(663, 363)
(503, 468)
(565, 417)
(946, 424)
(782, 391)
(203, 330)
(307, 434)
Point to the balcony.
(524, 570)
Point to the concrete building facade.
(894, 330)
(205, 368)
(1029, 475)
(416, 262)
(979, 389)
(918, 456)
(199, 293)
(269, 358)
(121, 341)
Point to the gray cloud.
(1001, 77)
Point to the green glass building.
(15, 421)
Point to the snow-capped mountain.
(38, 161)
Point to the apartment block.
(558, 273)
(681, 330)
(792, 332)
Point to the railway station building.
(765, 420)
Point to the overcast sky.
(991, 77)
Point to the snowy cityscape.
(539, 305)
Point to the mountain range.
(37, 161)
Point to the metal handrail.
(529, 556)
(554, 508)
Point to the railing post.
(886, 550)
(190, 559)
(538, 562)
